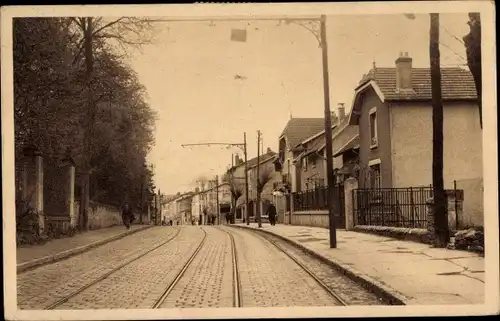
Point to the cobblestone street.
(178, 267)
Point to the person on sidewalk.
(127, 216)
(271, 212)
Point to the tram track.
(318, 280)
(109, 273)
(158, 303)
(342, 289)
(237, 297)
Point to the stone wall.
(310, 218)
(473, 206)
(100, 216)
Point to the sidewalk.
(414, 273)
(29, 256)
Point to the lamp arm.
(315, 32)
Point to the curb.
(22, 267)
(385, 292)
(406, 234)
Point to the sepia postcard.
(299, 160)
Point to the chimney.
(341, 109)
(334, 117)
(237, 160)
(403, 72)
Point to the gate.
(317, 200)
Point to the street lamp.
(240, 36)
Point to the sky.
(189, 73)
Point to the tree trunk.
(440, 221)
(257, 185)
(472, 43)
(87, 144)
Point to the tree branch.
(107, 26)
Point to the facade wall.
(383, 151)
(313, 173)
(411, 128)
(196, 206)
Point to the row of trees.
(74, 94)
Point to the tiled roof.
(352, 144)
(253, 162)
(299, 129)
(457, 83)
(315, 145)
(263, 158)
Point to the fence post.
(70, 191)
(456, 203)
(39, 192)
(454, 206)
(33, 183)
(430, 218)
(350, 185)
(292, 209)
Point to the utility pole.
(440, 218)
(233, 201)
(246, 178)
(328, 136)
(259, 220)
(217, 198)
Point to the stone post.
(39, 192)
(33, 183)
(350, 185)
(454, 206)
(70, 191)
(430, 218)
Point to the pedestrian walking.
(271, 212)
(127, 216)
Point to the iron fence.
(395, 207)
(317, 199)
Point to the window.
(313, 161)
(304, 163)
(375, 177)
(373, 128)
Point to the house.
(312, 159)
(196, 208)
(183, 204)
(295, 132)
(392, 108)
(169, 209)
(345, 148)
(267, 176)
(236, 178)
(204, 201)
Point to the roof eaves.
(354, 115)
(318, 134)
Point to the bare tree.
(89, 31)
(265, 175)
